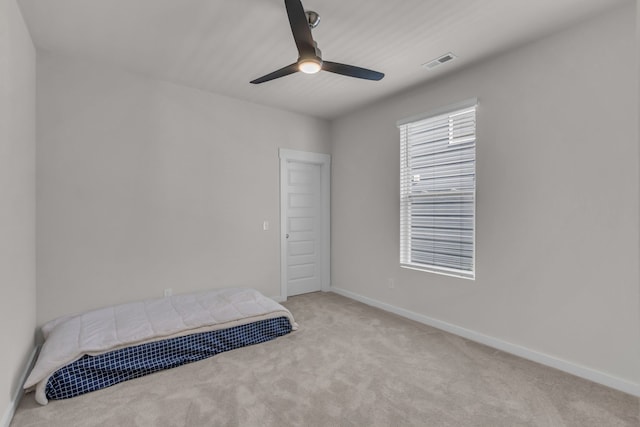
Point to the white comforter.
(99, 331)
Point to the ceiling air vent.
(447, 57)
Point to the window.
(438, 191)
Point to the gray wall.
(557, 200)
(17, 200)
(144, 185)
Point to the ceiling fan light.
(310, 66)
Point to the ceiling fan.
(309, 56)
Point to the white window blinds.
(438, 191)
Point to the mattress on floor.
(90, 373)
(123, 327)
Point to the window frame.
(405, 192)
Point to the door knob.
(287, 236)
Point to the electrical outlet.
(168, 292)
(265, 225)
(392, 283)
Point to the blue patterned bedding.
(90, 373)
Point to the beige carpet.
(348, 365)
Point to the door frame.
(324, 161)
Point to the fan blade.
(351, 71)
(300, 28)
(289, 69)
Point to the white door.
(304, 224)
(303, 228)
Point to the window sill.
(442, 271)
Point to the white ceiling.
(219, 46)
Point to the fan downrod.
(312, 18)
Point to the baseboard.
(526, 353)
(18, 393)
(279, 299)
